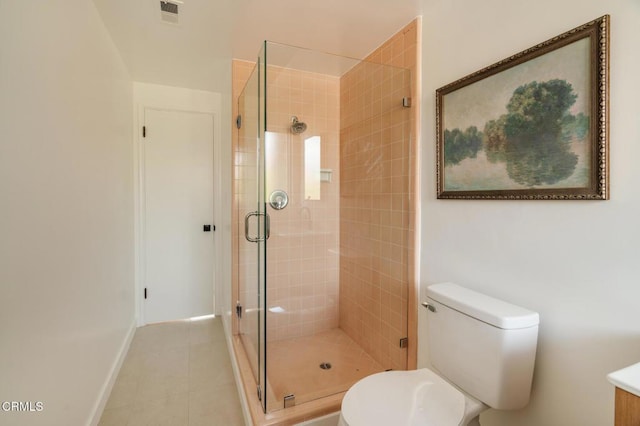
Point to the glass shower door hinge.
(289, 401)
(404, 342)
(406, 102)
(259, 393)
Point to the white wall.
(66, 210)
(576, 263)
(182, 99)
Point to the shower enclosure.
(322, 205)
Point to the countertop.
(627, 379)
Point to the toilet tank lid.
(493, 311)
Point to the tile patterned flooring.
(175, 373)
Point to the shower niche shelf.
(326, 175)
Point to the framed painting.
(532, 126)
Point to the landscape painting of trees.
(530, 129)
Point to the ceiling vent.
(169, 11)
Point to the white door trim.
(151, 96)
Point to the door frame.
(166, 98)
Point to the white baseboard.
(98, 408)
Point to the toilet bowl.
(412, 398)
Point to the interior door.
(178, 214)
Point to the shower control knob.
(278, 199)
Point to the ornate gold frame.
(598, 189)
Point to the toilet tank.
(485, 346)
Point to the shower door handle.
(258, 238)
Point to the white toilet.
(482, 350)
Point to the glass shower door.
(253, 226)
(337, 141)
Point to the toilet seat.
(418, 397)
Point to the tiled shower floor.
(293, 367)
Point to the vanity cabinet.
(627, 408)
(627, 383)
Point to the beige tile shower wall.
(302, 264)
(302, 268)
(377, 195)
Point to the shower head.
(297, 127)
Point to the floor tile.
(175, 373)
(215, 408)
(123, 393)
(115, 416)
(172, 410)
